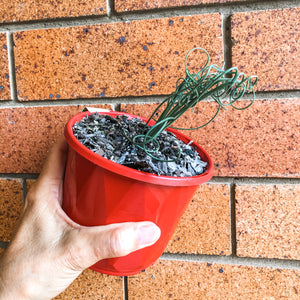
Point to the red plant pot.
(98, 191)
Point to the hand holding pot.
(49, 250)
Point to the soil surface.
(112, 139)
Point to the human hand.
(48, 250)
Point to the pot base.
(119, 273)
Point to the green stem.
(211, 81)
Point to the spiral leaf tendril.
(225, 87)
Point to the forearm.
(22, 286)
(19, 278)
(11, 287)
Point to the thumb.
(114, 240)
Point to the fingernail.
(148, 235)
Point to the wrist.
(24, 290)
(15, 283)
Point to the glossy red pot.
(98, 191)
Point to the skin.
(48, 250)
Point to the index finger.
(54, 166)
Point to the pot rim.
(132, 173)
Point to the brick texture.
(266, 43)
(205, 226)
(268, 221)
(129, 55)
(4, 75)
(119, 59)
(131, 5)
(242, 145)
(92, 285)
(11, 205)
(28, 133)
(25, 10)
(192, 280)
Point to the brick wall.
(240, 236)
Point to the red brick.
(194, 280)
(11, 205)
(131, 5)
(260, 141)
(268, 221)
(27, 134)
(266, 43)
(20, 10)
(119, 59)
(4, 75)
(205, 226)
(93, 285)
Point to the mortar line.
(117, 107)
(263, 95)
(20, 176)
(255, 180)
(64, 22)
(24, 187)
(259, 95)
(110, 5)
(11, 66)
(63, 102)
(82, 101)
(226, 33)
(125, 285)
(233, 236)
(3, 245)
(162, 12)
(214, 180)
(289, 95)
(234, 260)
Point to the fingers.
(50, 182)
(113, 240)
(55, 164)
(128, 237)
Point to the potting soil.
(112, 138)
